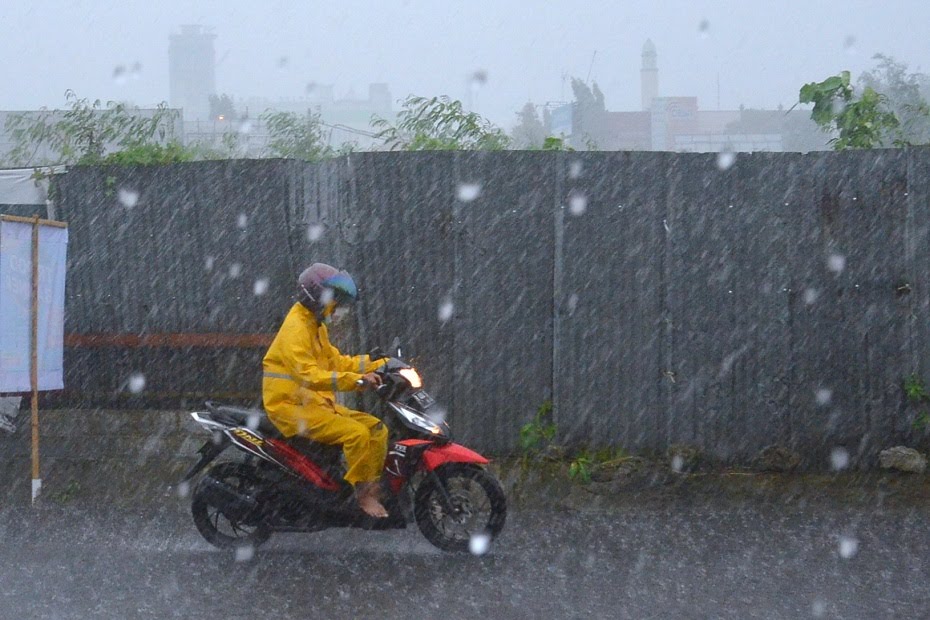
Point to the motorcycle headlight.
(418, 420)
(412, 377)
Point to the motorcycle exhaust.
(229, 501)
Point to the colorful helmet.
(322, 288)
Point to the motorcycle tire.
(210, 519)
(479, 508)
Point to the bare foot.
(367, 494)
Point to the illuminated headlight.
(417, 420)
(412, 377)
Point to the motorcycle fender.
(437, 455)
(207, 452)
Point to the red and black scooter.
(296, 485)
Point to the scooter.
(296, 485)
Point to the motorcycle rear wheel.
(214, 525)
(478, 508)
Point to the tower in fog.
(192, 71)
(649, 74)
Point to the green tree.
(438, 124)
(87, 131)
(296, 136)
(905, 94)
(222, 105)
(590, 113)
(857, 121)
(529, 133)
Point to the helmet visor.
(343, 288)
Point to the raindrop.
(135, 72)
(836, 263)
(838, 106)
(572, 303)
(311, 86)
(726, 158)
(136, 382)
(849, 44)
(574, 170)
(244, 553)
(678, 463)
(234, 270)
(253, 421)
(577, 203)
(478, 544)
(245, 127)
(818, 609)
(282, 63)
(849, 546)
(839, 459)
(209, 263)
(127, 197)
(823, 396)
(119, 74)
(261, 286)
(326, 296)
(446, 309)
(811, 295)
(242, 221)
(314, 232)
(184, 489)
(704, 28)
(467, 192)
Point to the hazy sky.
(761, 51)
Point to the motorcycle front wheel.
(460, 508)
(214, 524)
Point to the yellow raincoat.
(302, 372)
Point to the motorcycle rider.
(302, 370)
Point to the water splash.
(836, 263)
(127, 197)
(574, 169)
(577, 203)
(726, 158)
(479, 544)
(136, 382)
(314, 232)
(446, 310)
(839, 459)
(244, 553)
(466, 192)
(823, 396)
(849, 547)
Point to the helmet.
(322, 288)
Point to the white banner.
(16, 304)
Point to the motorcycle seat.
(255, 419)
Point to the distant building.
(677, 124)
(192, 71)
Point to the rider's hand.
(372, 380)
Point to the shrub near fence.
(654, 298)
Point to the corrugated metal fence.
(654, 298)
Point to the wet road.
(649, 557)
